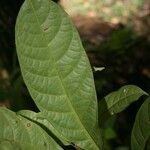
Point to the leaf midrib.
(70, 104)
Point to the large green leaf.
(141, 129)
(119, 100)
(20, 133)
(57, 72)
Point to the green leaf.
(21, 133)
(57, 72)
(9, 145)
(141, 128)
(119, 100)
(41, 120)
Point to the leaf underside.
(21, 134)
(57, 72)
(39, 119)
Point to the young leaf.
(119, 100)
(141, 128)
(57, 72)
(20, 133)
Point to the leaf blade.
(43, 122)
(117, 101)
(57, 72)
(23, 134)
(141, 128)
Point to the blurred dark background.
(115, 36)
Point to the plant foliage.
(57, 72)
(119, 100)
(21, 133)
(59, 78)
(141, 128)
